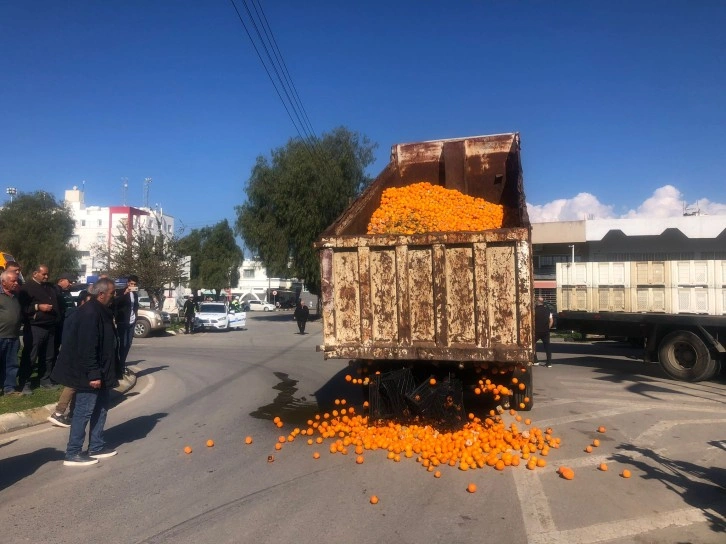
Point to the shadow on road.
(133, 429)
(14, 469)
(699, 487)
(278, 317)
(150, 370)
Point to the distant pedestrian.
(87, 363)
(189, 310)
(68, 395)
(125, 309)
(543, 321)
(11, 318)
(39, 303)
(301, 315)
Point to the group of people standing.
(83, 347)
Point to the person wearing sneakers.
(543, 321)
(68, 395)
(87, 363)
(11, 318)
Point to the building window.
(100, 222)
(83, 222)
(248, 273)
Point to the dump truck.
(674, 310)
(457, 301)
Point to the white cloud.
(666, 201)
(582, 206)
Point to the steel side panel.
(326, 292)
(366, 303)
(384, 295)
(403, 287)
(481, 294)
(346, 295)
(503, 284)
(421, 294)
(440, 295)
(460, 291)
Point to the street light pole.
(12, 191)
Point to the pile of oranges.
(423, 207)
(478, 444)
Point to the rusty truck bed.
(454, 296)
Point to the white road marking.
(619, 529)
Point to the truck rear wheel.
(684, 356)
(523, 396)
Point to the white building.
(99, 225)
(253, 281)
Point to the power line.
(303, 124)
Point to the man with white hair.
(87, 363)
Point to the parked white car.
(257, 305)
(217, 316)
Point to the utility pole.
(147, 185)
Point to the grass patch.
(40, 397)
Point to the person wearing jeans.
(125, 308)
(87, 363)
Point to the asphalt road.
(225, 386)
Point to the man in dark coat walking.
(87, 363)
(301, 315)
(543, 321)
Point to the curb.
(35, 416)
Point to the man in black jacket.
(125, 308)
(39, 303)
(87, 363)
(543, 321)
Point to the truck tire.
(523, 375)
(142, 328)
(684, 356)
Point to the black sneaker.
(102, 454)
(549, 365)
(78, 460)
(59, 420)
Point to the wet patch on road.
(291, 409)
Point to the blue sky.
(621, 106)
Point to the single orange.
(359, 460)
(187, 449)
(316, 455)
(596, 443)
(603, 467)
(374, 499)
(210, 443)
(588, 449)
(471, 488)
(278, 446)
(248, 440)
(432, 381)
(601, 429)
(625, 473)
(437, 474)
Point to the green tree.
(36, 229)
(215, 257)
(149, 253)
(293, 196)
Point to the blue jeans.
(90, 406)
(9, 363)
(125, 338)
